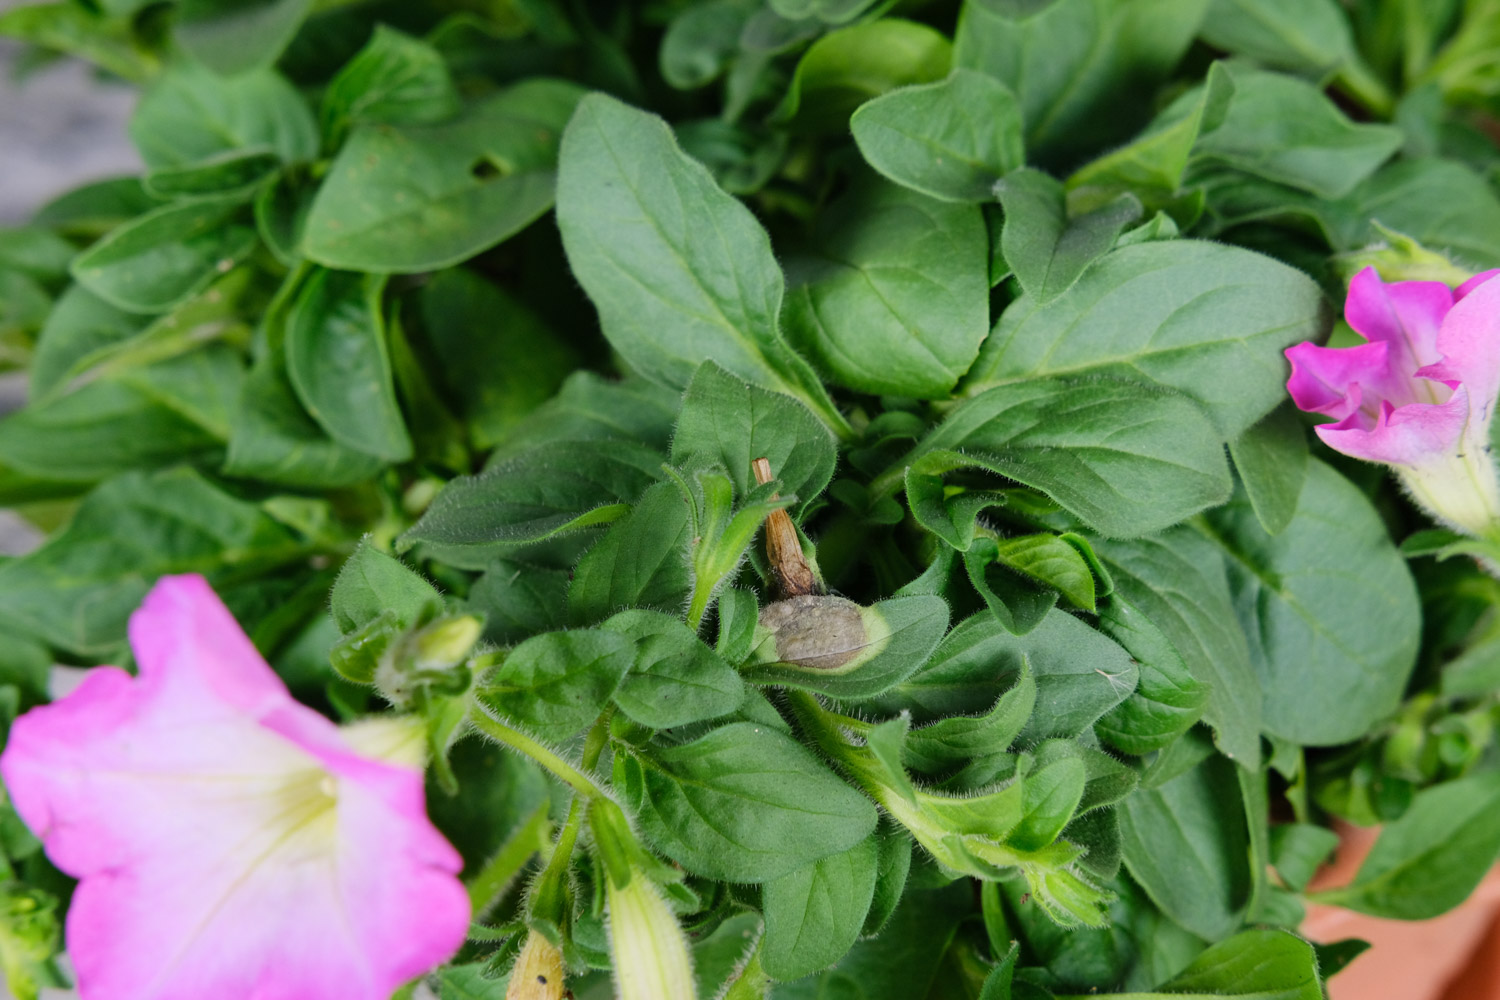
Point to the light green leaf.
(847, 67)
(190, 114)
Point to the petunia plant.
(753, 499)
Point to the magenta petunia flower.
(1420, 394)
(229, 841)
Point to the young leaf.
(1126, 459)
(728, 422)
(554, 685)
(1018, 601)
(518, 601)
(680, 271)
(1167, 700)
(675, 679)
(400, 199)
(1043, 248)
(1207, 320)
(951, 140)
(815, 913)
(957, 738)
(337, 359)
(395, 79)
(890, 296)
(640, 561)
(372, 583)
(743, 803)
(1330, 609)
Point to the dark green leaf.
(395, 80)
(372, 583)
(1018, 601)
(890, 297)
(1271, 459)
(675, 678)
(1187, 843)
(727, 421)
(232, 36)
(421, 197)
(1044, 249)
(1329, 607)
(680, 271)
(744, 803)
(337, 359)
(591, 408)
(165, 257)
(952, 140)
(640, 561)
(814, 914)
(701, 42)
(1305, 36)
(77, 591)
(958, 738)
(554, 685)
(847, 67)
(1207, 320)
(1125, 458)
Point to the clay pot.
(1452, 957)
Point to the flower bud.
(646, 943)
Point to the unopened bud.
(647, 946)
(447, 642)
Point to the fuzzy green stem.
(520, 742)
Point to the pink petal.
(1405, 435)
(1470, 346)
(1326, 379)
(1474, 282)
(1404, 314)
(228, 839)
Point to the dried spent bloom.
(229, 841)
(1419, 395)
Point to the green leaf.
(105, 428)
(394, 80)
(589, 407)
(958, 738)
(1297, 849)
(675, 679)
(728, 422)
(165, 257)
(536, 495)
(1187, 843)
(1271, 459)
(232, 36)
(814, 914)
(1432, 858)
(1287, 131)
(1167, 700)
(847, 67)
(78, 589)
(702, 41)
(1124, 458)
(190, 115)
(337, 360)
(1078, 67)
(371, 583)
(554, 685)
(1179, 582)
(1079, 674)
(496, 357)
(1152, 165)
(893, 867)
(1207, 320)
(1330, 609)
(518, 600)
(65, 26)
(35, 252)
(1261, 964)
(1311, 37)
(951, 140)
(1045, 250)
(805, 635)
(743, 803)
(680, 271)
(890, 294)
(1018, 601)
(641, 561)
(470, 982)
(1051, 795)
(421, 197)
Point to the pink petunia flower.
(1419, 396)
(229, 841)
